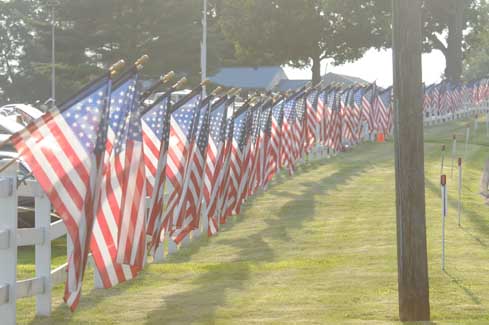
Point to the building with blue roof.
(253, 78)
(271, 78)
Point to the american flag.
(153, 129)
(368, 112)
(261, 145)
(348, 117)
(385, 110)
(456, 96)
(313, 113)
(119, 229)
(427, 98)
(132, 227)
(288, 137)
(64, 149)
(215, 160)
(299, 127)
(225, 178)
(319, 117)
(244, 146)
(436, 100)
(275, 144)
(478, 91)
(181, 140)
(258, 142)
(357, 107)
(156, 224)
(484, 89)
(442, 98)
(335, 125)
(192, 195)
(265, 133)
(230, 200)
(325, 109)
(249, 154)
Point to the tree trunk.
(454, 57)
(316, 69)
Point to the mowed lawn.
(316, 248)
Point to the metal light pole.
(53, 60)
(203, 47)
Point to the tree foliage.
(304, 32)
(93, 34)
(453, 27)
(301, 32)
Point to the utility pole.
(409, 162)
(203, 48)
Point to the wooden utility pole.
(409, 159)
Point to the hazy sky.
(377, 66)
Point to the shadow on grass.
(467, 291)
(213, 286)
(480, 223)
(210, 288)
(474, 217)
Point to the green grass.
(25, 267)
(317, 248)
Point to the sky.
(376, 66)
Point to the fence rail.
(44, 232)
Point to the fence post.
(204, 219)
(186, 240)
(43, 251)
(172, 246)
(159, 253)
(8, 244)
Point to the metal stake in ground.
(444, 202)
(467, 138)
(454, 152)
(442, 158)
(487, 124)
(459, 192)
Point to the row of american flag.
(118, 170)
(447, 97)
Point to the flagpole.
(203, 49)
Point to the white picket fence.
(44, 232)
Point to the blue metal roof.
(285, 85)
(249, 77)
(342, 79)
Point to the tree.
(476, 56)
(15, 42)
(303, 32)
(476, 64)
(93, 34)
(98, 33)
(452, 26)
